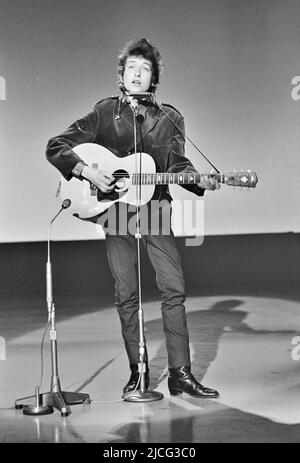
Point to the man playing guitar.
(160, 134)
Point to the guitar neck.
(166, 178)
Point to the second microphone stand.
(61, 400)
(140, 394)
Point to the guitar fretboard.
(165, 178)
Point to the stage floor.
(243, 343)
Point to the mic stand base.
(37, 411)
(59, 400)
(146, 396)
(37, 408)
(55, 397)
(62, 399)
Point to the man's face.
(137, 74)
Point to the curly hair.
(141, 47)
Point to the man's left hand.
(209, 182)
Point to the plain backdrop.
(229, 68)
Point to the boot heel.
(175, 392)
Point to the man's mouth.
(136, 82)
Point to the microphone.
(139, 111)
(65, 204)
(135, 99)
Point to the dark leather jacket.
(110, 124)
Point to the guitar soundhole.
(121, 183)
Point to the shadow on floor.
(32, 307)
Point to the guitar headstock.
(244, 179)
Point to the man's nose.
(137, 71)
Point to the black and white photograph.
(150, 225)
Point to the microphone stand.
(140, 394)
(56, 398)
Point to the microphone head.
(66, 203)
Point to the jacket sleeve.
(59, 150)
(177, 160)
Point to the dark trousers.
(164, 256)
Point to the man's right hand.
(100, 178)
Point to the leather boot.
(134, 377)
(182, 380)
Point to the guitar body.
(86, 201)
